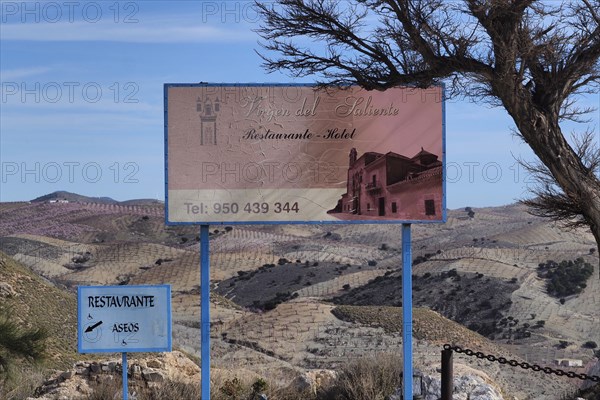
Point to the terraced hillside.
(291, 298)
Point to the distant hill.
(73, 197)
(141, 202)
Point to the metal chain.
(524, 364)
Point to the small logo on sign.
(208, 109)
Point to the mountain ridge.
(76, 197)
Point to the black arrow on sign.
(92, 327)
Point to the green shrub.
(259, 386)
(232, 388)
(565, 278)
(17, 341)
(540, 323)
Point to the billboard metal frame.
(407, 345)
(167, 86)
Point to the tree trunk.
(541, 131)
(577, 182)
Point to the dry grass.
(111, 389)
(245, 388)
(369, 378)
(172, 390)
(38, 303)
(427, 324)
(335, 286)
(21, 382)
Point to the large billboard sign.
(298, 154)
(124, 319)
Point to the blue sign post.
(124, 319)
(407, 315)
(205, 310)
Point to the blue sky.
(81, 105)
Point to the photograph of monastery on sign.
(392, 186)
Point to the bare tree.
(532, 57)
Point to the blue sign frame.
(167, 86)
(146, 295)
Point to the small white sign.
(123, 319)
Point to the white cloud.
(10, 74)
(148, 32)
